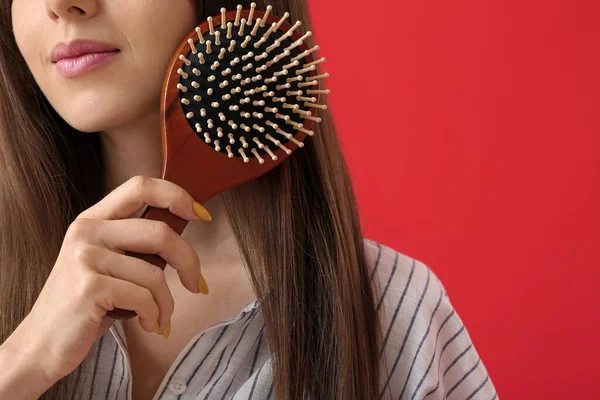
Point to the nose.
(71, 9)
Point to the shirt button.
(177, 386)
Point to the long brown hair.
(297, 227)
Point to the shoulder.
(401, 280)
(427, 351)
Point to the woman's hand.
(92, 275)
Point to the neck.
(131, 150)
(136, 149)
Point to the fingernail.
(167, 331)
(202, 286)
(156, 328)
(201, 211)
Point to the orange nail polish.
(167, 331)
(202, 212)
(202, 286)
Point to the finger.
(140, 235)
(130, 197)
(142, 274)
(117, 293)
(106, 323)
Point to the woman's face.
(128, 86)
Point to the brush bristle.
(247, 89)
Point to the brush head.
(241, 93)
(249, 85)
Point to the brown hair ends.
(297, 228)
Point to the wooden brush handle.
(158, 214)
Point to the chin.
(105, 107)
(87, 126)
(93, 120)
(98, 116)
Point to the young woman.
(295, 304)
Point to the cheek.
(27, 39)
(152, 49)
(31, 38)
(121, 93)
(163, 25)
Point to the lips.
(81, 56)
(78, 48)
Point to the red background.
(485, 167)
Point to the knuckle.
(81, 215)
(82, 255)
(146, 296)
(158, 276)
(180, 194)
(89, 285)
(161, 230)
(139, 181)
(79, 228)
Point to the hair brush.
(240, 95)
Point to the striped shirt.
(427, 351)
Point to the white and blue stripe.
(427, 352)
